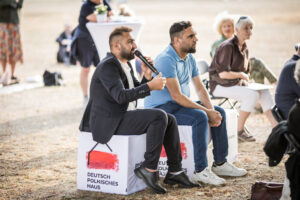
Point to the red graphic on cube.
(103, 160)
(183, 151)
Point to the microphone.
(139, 54)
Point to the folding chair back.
(203, 69)
(277, 114)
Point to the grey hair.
(297, 72)
(242, 21)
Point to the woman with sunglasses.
(224, 25)
(229, 74)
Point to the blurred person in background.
(229, 74)
(296, 56)
(292, 165)
(83, 47)
(64, 40)
(10, 39)
(287, 90)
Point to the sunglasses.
(242, 18)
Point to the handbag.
(266, 191)
(54, 78)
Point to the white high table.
(100, 32)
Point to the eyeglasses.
(242, 18)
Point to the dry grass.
(38, 128)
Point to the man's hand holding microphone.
(158, 82)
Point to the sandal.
(245, 137)
(14, 80)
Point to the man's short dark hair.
(177, 27)
(118, 32)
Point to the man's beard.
(188, 50)
(126, 55)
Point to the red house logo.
(103, 160)
(183, 151)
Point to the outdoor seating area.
(58, 116)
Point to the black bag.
(266, 191)
(54, 78)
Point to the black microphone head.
(137, 53)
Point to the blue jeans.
(199, 122)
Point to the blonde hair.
(220, 19)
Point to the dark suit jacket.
(109, 99)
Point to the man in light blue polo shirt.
(179, 67)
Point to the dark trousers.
(161, 129)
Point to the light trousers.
(248, 98)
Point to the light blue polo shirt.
(172, 66)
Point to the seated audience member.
(277, 144)
(287, 88)
(64, 40)
(178, 65)
(224, 25)
(112, 110)
(229, 75)
(258, 71)
(292, 165)
(125, 10)
(296, 56)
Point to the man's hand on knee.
(214, 118)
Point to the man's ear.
(117, 46)
(177, 40)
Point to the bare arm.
(174, 89)
(234, 75)
(202, 92)
(92, 17)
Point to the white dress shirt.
(127, 69)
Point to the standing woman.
(83, 47)
(228, 76)
(10, 39)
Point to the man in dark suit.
(112, 110)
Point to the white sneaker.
(207, 177)
(228, 169)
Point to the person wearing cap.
(228, 75)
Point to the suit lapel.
(122, 73)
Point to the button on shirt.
(172, 66)
(127, 69)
